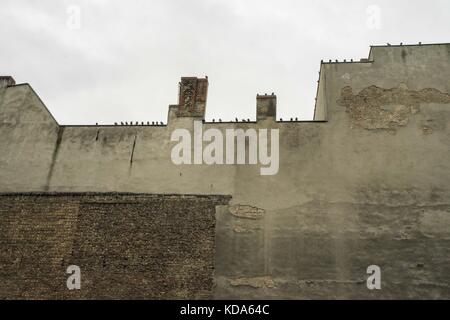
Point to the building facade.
(367, 182)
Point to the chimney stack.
(6, 81)
(266, 106)
(192, 97)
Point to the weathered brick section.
(127, 245)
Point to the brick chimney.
(192, 97)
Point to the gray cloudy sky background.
(125, 60)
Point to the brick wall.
(127, 245)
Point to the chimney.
(6, 81)
(192, 97)
(266, 106)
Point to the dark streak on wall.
(54, 156)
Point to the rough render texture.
(370, 184)
(128, 246)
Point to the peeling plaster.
(246, 212)
(256, 282)
(377, 108)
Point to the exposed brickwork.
(127, 245)
(192, 97)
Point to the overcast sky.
(106, 61)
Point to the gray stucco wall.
(371, 185)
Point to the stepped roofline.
(193, 96)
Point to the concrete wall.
(371, 185)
